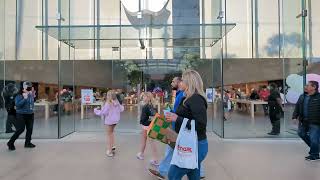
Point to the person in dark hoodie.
(193, 107)
(9, 94)
(275, 109)
(24, 102)
(307, 111)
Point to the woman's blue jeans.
(176, 173)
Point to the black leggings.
(275, 116)
(23, 121)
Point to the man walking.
(307, 111)
(164, 166)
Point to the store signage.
(210, 94)
(86, 96)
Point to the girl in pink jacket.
(111, 114)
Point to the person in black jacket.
(275, 109)
(146, 112)
(24, 103)
(307, 111)
(9, 94)
(193, 107)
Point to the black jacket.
(10, 104)
(195, 108)
(146, 112)
(313, 109)
(254, 96)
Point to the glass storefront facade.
(238, 46)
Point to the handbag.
(185, 154)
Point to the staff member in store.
(275, 109)
(24, 102)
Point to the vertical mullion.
(98, 29)
(310, 29)
(252, 38)
(94, 29)
(303, 6)
(59, 67)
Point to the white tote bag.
(185, 154)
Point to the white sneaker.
(140, 156)
(110, 153)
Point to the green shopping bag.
(159, 129)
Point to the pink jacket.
(110, 113)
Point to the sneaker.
(109, 153)
(202, 177)
(114, 148)
(154, 163)
(11, 146)
(273, 133)
(140, 156)
(156, 174)
(29, 145)
(313, 158)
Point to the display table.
(130, 100)
(46, 105)
(98, 103)
(250, 102)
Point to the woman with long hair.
(147, 111)
(111, 114)
(193, 107)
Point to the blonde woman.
(194, 107)
(147, 111)
(111, 114)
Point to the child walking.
(111, 114)
(147, 111)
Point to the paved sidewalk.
(80, 156)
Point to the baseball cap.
(27, 84)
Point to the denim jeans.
(303, 132)
(176, 173)
(314, 131)
(310, 134)
(165, 163)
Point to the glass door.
(293, 55)
(67, 100)
(2, 48)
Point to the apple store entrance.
(130, 59)
(75, 51)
